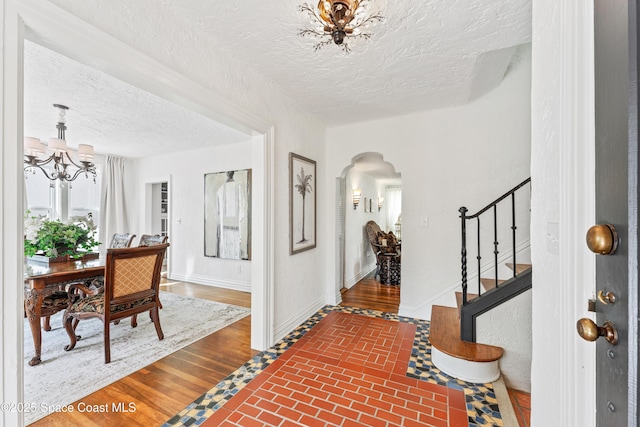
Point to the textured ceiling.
(426, 54)
(116, 118)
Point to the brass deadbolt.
(589, 331)
(606, 298)
(602, 239)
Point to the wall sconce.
(380, 201)
(356, 198)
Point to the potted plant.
(54, 240)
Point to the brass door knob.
(602, 239)
(589, 331)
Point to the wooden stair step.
(489, 284)
(519, 267)
(444, 334)
(459, 300)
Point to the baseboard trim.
(297, 319)
(208, 281)
(361, 275)
(504, 402)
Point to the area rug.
(51, 383)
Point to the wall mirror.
(227, 214)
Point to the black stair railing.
(490, 207)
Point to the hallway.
(370, 294)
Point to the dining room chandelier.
(63, 168)
(339, 21)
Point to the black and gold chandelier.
(339, 21)
(62, 167)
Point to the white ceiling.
(426, 54)
(114, 116)
(374, 165)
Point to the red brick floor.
(349, 370)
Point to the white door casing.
(562, 174)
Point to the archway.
(376, 186)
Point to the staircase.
(464, 358)
(453, 329)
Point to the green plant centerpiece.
(54, 238)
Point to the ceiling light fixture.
(339, 21)
(60, 159)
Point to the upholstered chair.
(131, 286)
(372, 228)
(121, 240)
(94, 286)
(118, 240)
(149, 239)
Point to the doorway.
(369, 189)
(157, 220)
(101, 51)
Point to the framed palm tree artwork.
(302, 204)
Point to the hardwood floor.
(167, 386)
(371, 294)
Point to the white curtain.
(113, 210)
(393, 200)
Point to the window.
(39, 194)
(63, 200)
(84, 197)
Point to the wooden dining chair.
(149, 240)
(51, 304)
(152, 239)
(121, 240)
(91, 287)
(131, 286)
(118, 241)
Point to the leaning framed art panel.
(227, 213)
(302, 203)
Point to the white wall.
(509, 326)
(186, 170)
(359, 257)
(448, 158)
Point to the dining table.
(43, 279)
